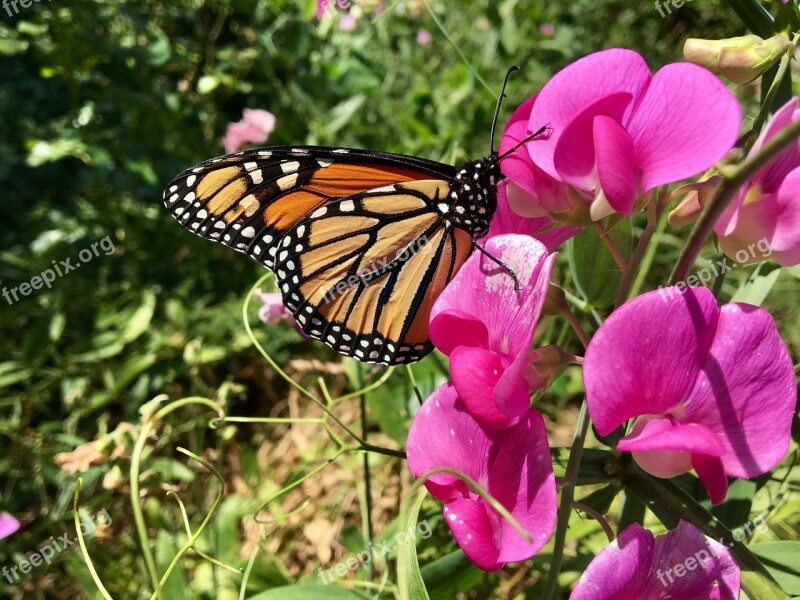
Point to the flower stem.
(776, 83)
(619, 258)
(723, 196)
(567, 498)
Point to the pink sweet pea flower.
(682, 564)
(254, 128)
(617, 131)
(424, 37)
(486, 327)
(712, 388)
(8, 525)
(273, 310)
(523, 199)
(513, 466)
(763, 221)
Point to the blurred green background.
(101, 103)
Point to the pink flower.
(546, 29)
(486, 328)
(254, 128)
(529, 191)
(617, 131)
(682, 563)
(8, 525)
(424, 37)
(512, 465)
(321, 8)
(347, 22)
(712, 388)
(273, 310)
(766, 212)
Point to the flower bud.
(549, 362)
(740, 59)
(697, 196)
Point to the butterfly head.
(475, 193)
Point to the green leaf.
(450, 575)
(167, 546)
(309, 592)
(601, 499)
(757, 287)
(782, 560)
(593, 268)
(754, 16)
(410, 584)
(735, 510)
(140, 320)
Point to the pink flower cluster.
(254, 128)
(701, 387)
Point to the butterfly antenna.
(537, 133)
(497, 107)
(498, 262)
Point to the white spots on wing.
(248, 232)
(202, 213)
(341, 151)
(347, 206)
(324, 162)
(219, 225)
(256, 176)
(190, 180)
(256, 249)
(321, 211)
(287, 181)
(300, 151)
(178, 210)
(173, 198)
(290, 265)
(290, 166)
(174, 188)
(443, 208)
(300, 231)
(264, 153)
(189, 197)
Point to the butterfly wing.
(323, 218)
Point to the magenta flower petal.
(747, 391)
(506, 220)
(771, 176)
(8, 525)
(576, 154)
(452, 328)
(686, 122)
(477, 529)
(664, 434)
(513, 465)
(578, 85)
(714, 390)
(475, 374)
(485, 293)
(711, 473)
(709, 571)
(682, 563)
(658, 341)
(615, 168)
(620, 570)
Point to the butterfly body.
(361, 242)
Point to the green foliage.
(102, 103)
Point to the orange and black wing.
(357, 239)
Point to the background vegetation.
(101, 103)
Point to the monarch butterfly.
(362, 243)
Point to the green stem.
(367, 479)
(567, 498)
(776, 84)
(136, 459)
(754, 16)
(723, 196)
